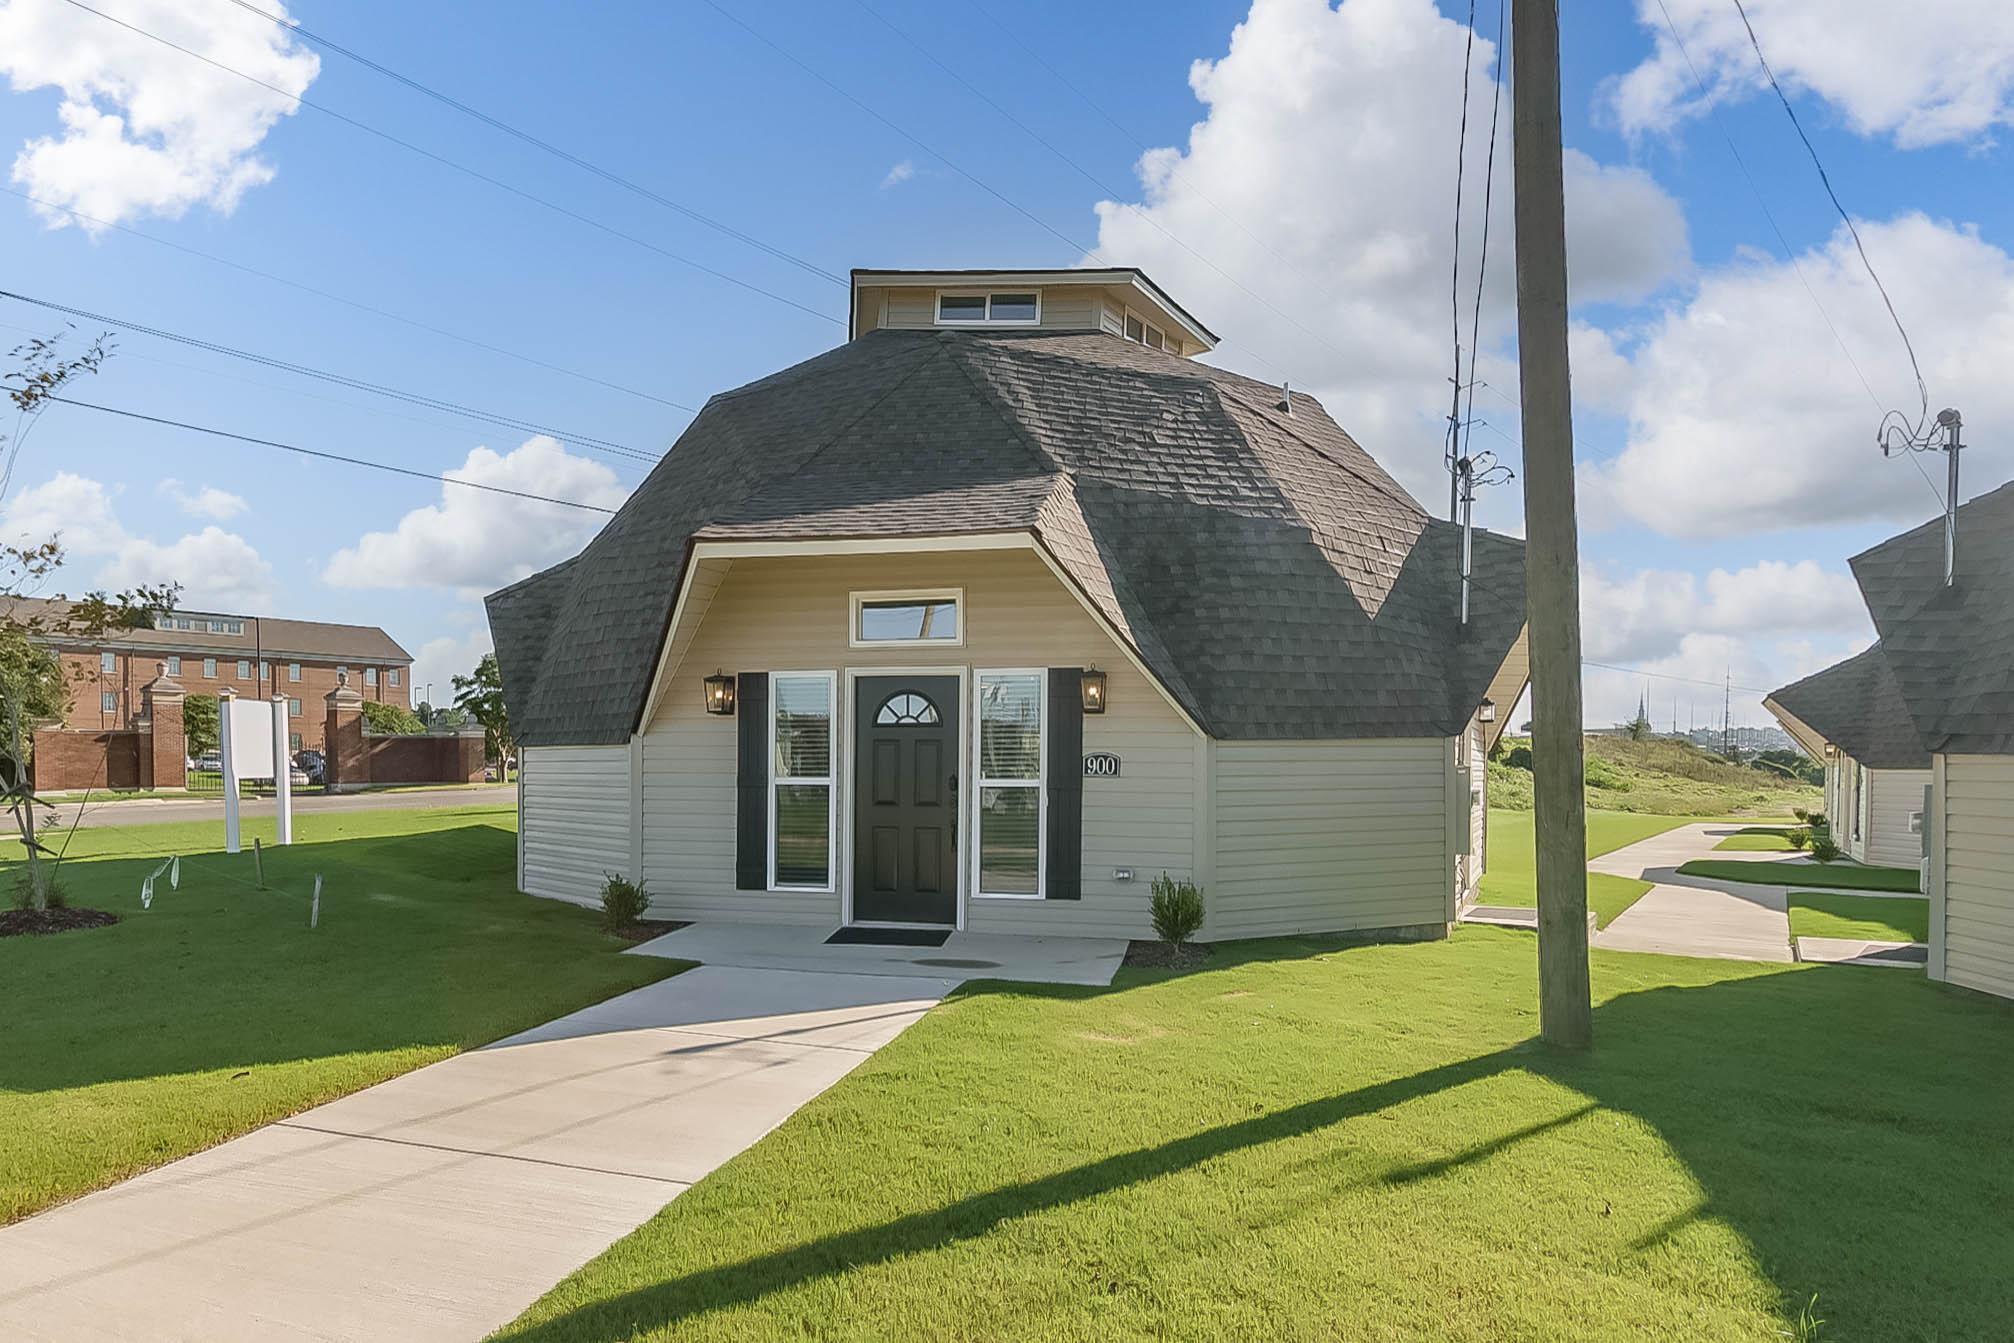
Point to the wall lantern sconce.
(1094, 690)
(720, 694)
(1486, 712)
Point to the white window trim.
(293, 671)
(980, 783)
(856, 600)
(831, 780)
(108, 662)
(1147, 324)
(937, 307)
(209, 669)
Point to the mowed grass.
(1840, 875)
(1312, 1142)
(217, 1010)
(1873, 918)
(1756, 839)
(1511, 877)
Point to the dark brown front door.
(905, 799)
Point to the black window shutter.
(1064, 879)
(751, 782)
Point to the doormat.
(889, 937)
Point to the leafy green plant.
(385, 719)
(623, 902)
(1177, 908)
(1599, 773)
(1803, 815)
(1822, 848)
(53, 895)
(1806, 1328)
(1519, 757)
(1797, 837)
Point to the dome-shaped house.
(994, 613)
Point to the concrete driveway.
(440, 1204)
(1695, 916)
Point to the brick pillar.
(164, 740)
(471, 758)
(349, 765)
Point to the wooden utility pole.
(1552, 549)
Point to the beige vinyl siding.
(1892, 794)
(909, 307)
(771, 614)
(1978, 877)
(574, 819)
(1330, 835)
(1478, 859)
(1063, 309)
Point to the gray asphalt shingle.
(1857, 706)
(1276, 578)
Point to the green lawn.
(1312, 1142)
(218, 1010)
(1845, 875)
(1510, 877)
(1874, 918)
(1756, 839)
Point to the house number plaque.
(1101, 765)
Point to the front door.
(905, 799)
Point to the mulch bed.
(1158, 955)
(645, 929)
(35, 922)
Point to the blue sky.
(1723, 428)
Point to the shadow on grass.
(422, 941)
(1838, 1158)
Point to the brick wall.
(433, 758)
(66, 759)
(133, 669)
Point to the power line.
(1667, 676)
(1455, 266)
(1483, 253)
(350, 302)
(608, 175)
(414, 398)
(463, 168)
(1789, 253)
(1922, 391)
(330, 456)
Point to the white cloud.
(214, 568)
(1745, 416)
(146, 129)
(1322, 176)
(439, 661)
(899, 174)
(1923, 73)
(206, 502)
(1648, 614)
(475, 541)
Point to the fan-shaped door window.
(906, 708)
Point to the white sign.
(250, 738)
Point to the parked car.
(297, 777)
(312, 765)
(208, 763)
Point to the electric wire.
(1483, 251)
(413, 398)
(606, 174)
(463, 168)
(1668, 676)
(333, 297)
(328, 456)
(1452, 451)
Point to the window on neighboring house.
(800, 807)
(294, 741)
(293, 671)
(906, 618)
(1019, 308)
(174, 666)
(370, 676)
(342, 675)
(210, 668)
(1009, 789)
(265, 671)
(108, 702)
(293, 708)
(392, 675)
(108, 662)
(244, 670)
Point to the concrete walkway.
(440, 1204)
(963, 956)
(1694, 916)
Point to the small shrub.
(1823, 849)
(1797, 838)
(1177, 910)
(622, 902)
(54, 896)
(1803, 815)
(1519, 757)
(1598, 773)
(1816, 820)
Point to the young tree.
(480, 696)
(200, 730)
(33, 688)
(386, 719)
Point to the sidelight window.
(1009, 793)
(801, 792)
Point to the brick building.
(206, 653)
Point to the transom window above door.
(907, 709)
(898, 619)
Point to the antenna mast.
(1471, 473)
(1897, 437)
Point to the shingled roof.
(1856, 706)
(1271, 574)
(1951, 649)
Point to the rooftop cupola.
(1120, 301)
